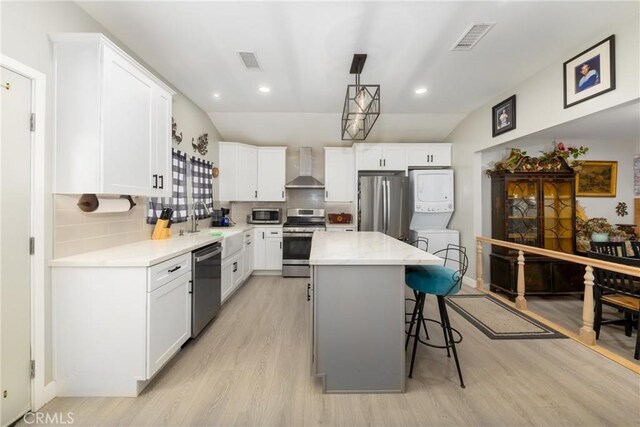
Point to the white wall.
(23, 37)
(539, 106)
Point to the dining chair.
(635, 246)
(610, 248)
(618, 290)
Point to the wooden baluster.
(479, 280)
(521, 303)
(587, 334)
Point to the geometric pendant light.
(361, 104)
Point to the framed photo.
(597, 179)
(590, 73)
(503, 116)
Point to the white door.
(162, 142)
(228, 179)
(272, 164)
(369, 158)
(15, 261)
(273, 254)
(338, 175)
(126, 129)
(440, 154)
(247, 173)
(419, 155)
(394, 158)
(168, 321)
(259, 249)
(247, 259)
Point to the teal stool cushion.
(431, 279)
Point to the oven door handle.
(297, 234)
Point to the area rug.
(497, 320)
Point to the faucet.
(194, 218)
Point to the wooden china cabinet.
(536, 209)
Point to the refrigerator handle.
(388, 213)
(384, 205)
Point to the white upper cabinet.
(426, 155)
(375, 157)
(339, 176)
(272, 165)
(249, 173)
(113, 120)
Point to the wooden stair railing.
(586, 334)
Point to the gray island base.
(357, 308)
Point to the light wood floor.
(251, 367)
(566, 310)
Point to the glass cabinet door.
(522, 212)
(558, 207)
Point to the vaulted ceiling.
(305, 49)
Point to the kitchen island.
(357, 310)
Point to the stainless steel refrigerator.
(383, 204)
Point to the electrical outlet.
(4, 394)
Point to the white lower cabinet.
(231, 274)
(168, 321)
(267, 248)
(247, 254)
(115, 327)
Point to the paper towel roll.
(90, 203)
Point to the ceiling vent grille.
(250, 61)
(472, 35)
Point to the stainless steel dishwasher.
(206, 287)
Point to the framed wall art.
(590, 73)
(597, 179)
(503, 116)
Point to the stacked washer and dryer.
(432, 206)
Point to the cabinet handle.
(155, 180)
(248, 243)
(161, 182)
(280, 245)
(308, 290)
(274, 232)
(384, 162)
(256, 196)
(326, 194)
(380, 162)
(263, 234)
(283, 194)
(171, 270)
(191, 286)
(235, 267)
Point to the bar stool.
(421, 243)
(439, 280)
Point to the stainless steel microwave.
(265, 216)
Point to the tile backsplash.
(295, 199)
(78, 232)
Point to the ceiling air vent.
(472, 35)
(250, 61)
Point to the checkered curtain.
(178, 200)
(201, 181)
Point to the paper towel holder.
(90, 202)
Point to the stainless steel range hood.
(305, 180)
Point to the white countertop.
(365, 248)
(148, 252)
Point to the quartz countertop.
(149, 252)
(365, 248)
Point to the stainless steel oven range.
(297, 233)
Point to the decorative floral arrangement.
(554, 160)
(584, 229)
(559, 149)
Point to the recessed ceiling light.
(421, 90)
(264, 89)
(216, 95)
